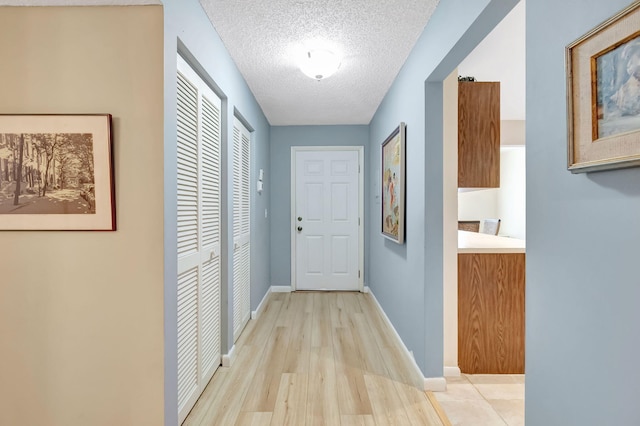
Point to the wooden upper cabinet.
(478, 134)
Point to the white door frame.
(360, 151)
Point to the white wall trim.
(281, 289)
(452, 372)
(395, 332)
(435, 384)
(227, 359)
(255, 314)
(361, 166)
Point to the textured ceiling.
(374, 36)
(266, 37)
(77, 2)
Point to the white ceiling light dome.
(319, 63)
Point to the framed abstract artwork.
(56, 172)
(393, 185)
(603, 91)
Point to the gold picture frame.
(393, 185)
(56, 172)
(603, 95)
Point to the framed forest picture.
(56, 172)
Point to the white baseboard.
(281, 289)
(365, 289)
(435, 384)
(227, 359)
(452, 372)
(255, 314)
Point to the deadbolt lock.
(299, 219)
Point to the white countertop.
(474, 242)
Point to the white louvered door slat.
(246, 217)
(187, 185)
(187, 335)
(187, 167)
(241, 227)
(237, 230)
(210, 211)
(198, 239)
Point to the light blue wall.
(583, 285)
(282, 139)
(407, 279)
(188, 29)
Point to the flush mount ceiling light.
(319, 64)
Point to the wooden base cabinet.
(491, 291)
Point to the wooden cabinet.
(478, 134)
(491, 320)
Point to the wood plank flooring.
(316, 359)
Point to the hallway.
(316, 359)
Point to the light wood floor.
(316, 359)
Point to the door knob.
(299, 228)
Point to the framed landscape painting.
(603, 87)
(393, 185)
(56, 172)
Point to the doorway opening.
(468, 244)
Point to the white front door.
(327, 224)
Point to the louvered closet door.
(198, 149)
(241, 236)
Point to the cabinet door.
(478, 134)
(491, 302)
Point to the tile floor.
(484, 400)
